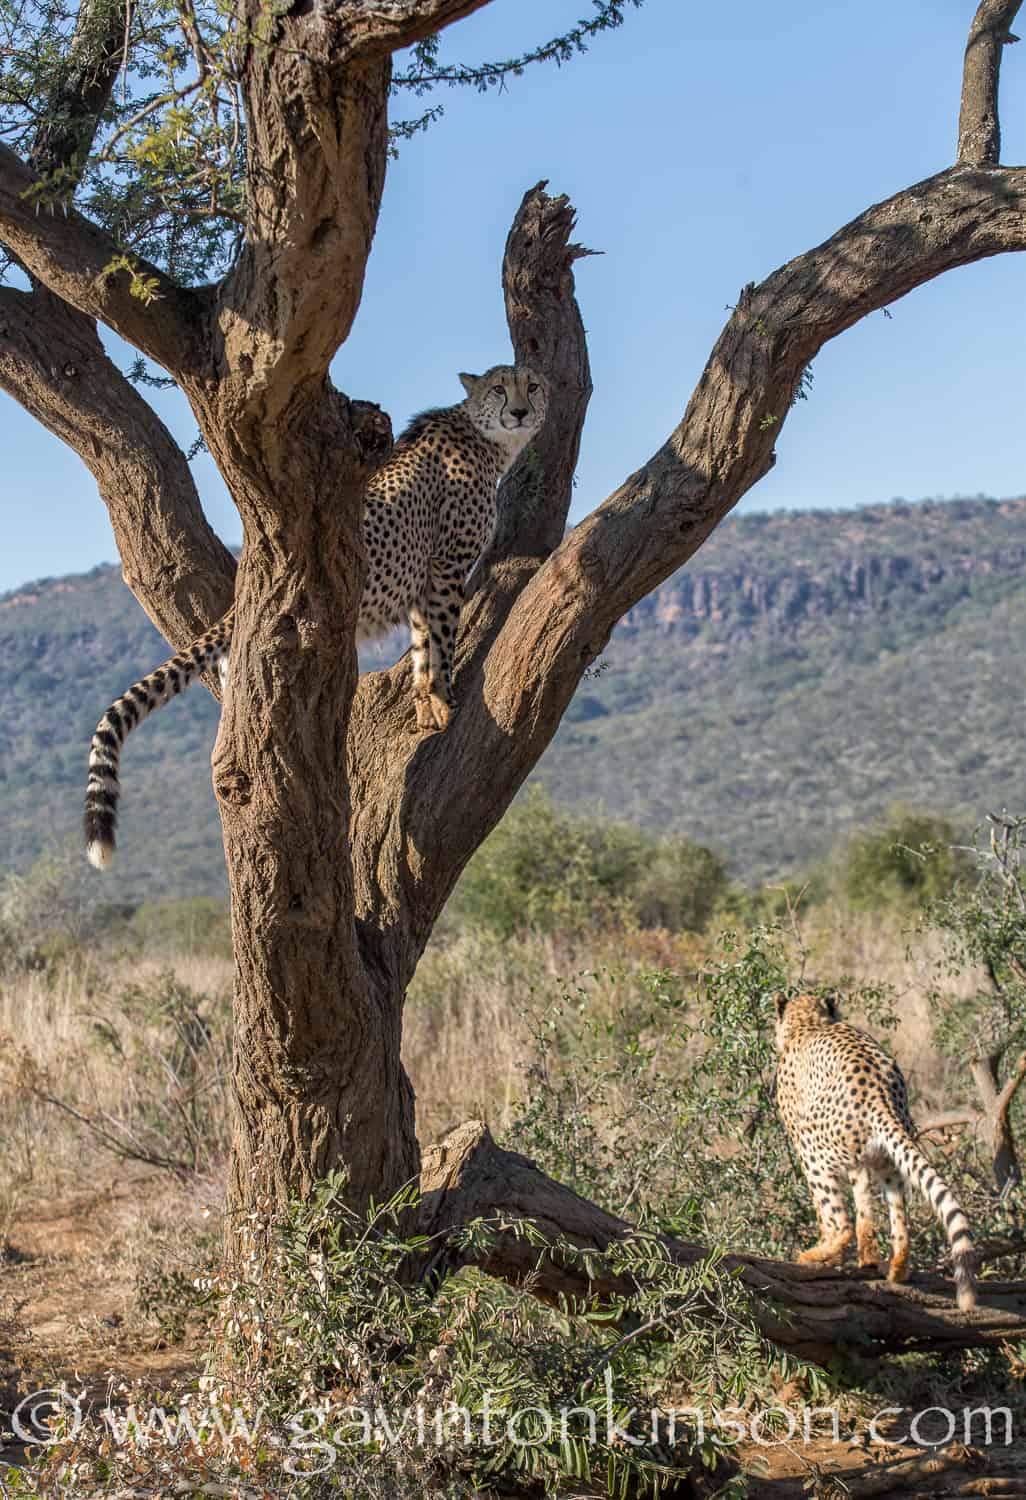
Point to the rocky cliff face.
(786, 595)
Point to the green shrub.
(190, 924)
(54, 911)
(551, 869)
(909, 860)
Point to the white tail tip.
(966, 1298)
(100, 855)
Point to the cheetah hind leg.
(835, 1231)
(894, 1191)
(433, 711)
(865, 1220)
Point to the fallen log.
(806, 1310)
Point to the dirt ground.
(69, 1316)
(69, 1299)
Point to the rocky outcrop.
(733, 602)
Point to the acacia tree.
(206, 183)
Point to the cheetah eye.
(532, 390)
(498, 390)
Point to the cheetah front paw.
(898, 1268)
(433, 712)
(828, 1252)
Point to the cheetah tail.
(103, 788)
(916, 1169)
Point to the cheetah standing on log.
(845, 1107)
(429, 514)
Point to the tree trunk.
(318, 1078)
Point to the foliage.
(166, 169)
(664, 1108)
(171, 1283)
(985, 928)
(197, 924)
(47, 914)
(545, 868)
(911, 858)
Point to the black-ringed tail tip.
(104, 787)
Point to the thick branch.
(388, 761)
(979, 125)
(810, 1312)
(523, 649)
(375, 29)
(71, 256)
(317, 147)
(316, 99)
(81, 89)
(547, 332)
(52, 362)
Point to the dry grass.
(136, 1048)
(101, 1036)
(102, 1252)
(468, 1020)
(877, 948)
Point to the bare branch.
(995, 1119)
(949, 1119)
(810, 1312)
(1012, 1086)
(72, 256)
(81, 90)
(52, 362)
(376, 28)
(979, 125)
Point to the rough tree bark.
(344, 829)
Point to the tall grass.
(106, 1035)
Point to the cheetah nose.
(520, 412)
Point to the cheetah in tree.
(845, 1106)
(429, 513)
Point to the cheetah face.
(507, 402)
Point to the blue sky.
(702, 146)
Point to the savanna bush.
(909, 860)
(551, 869)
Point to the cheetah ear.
(468, 382)
(830, 999)
(780, 1000)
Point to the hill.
(802, 673)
